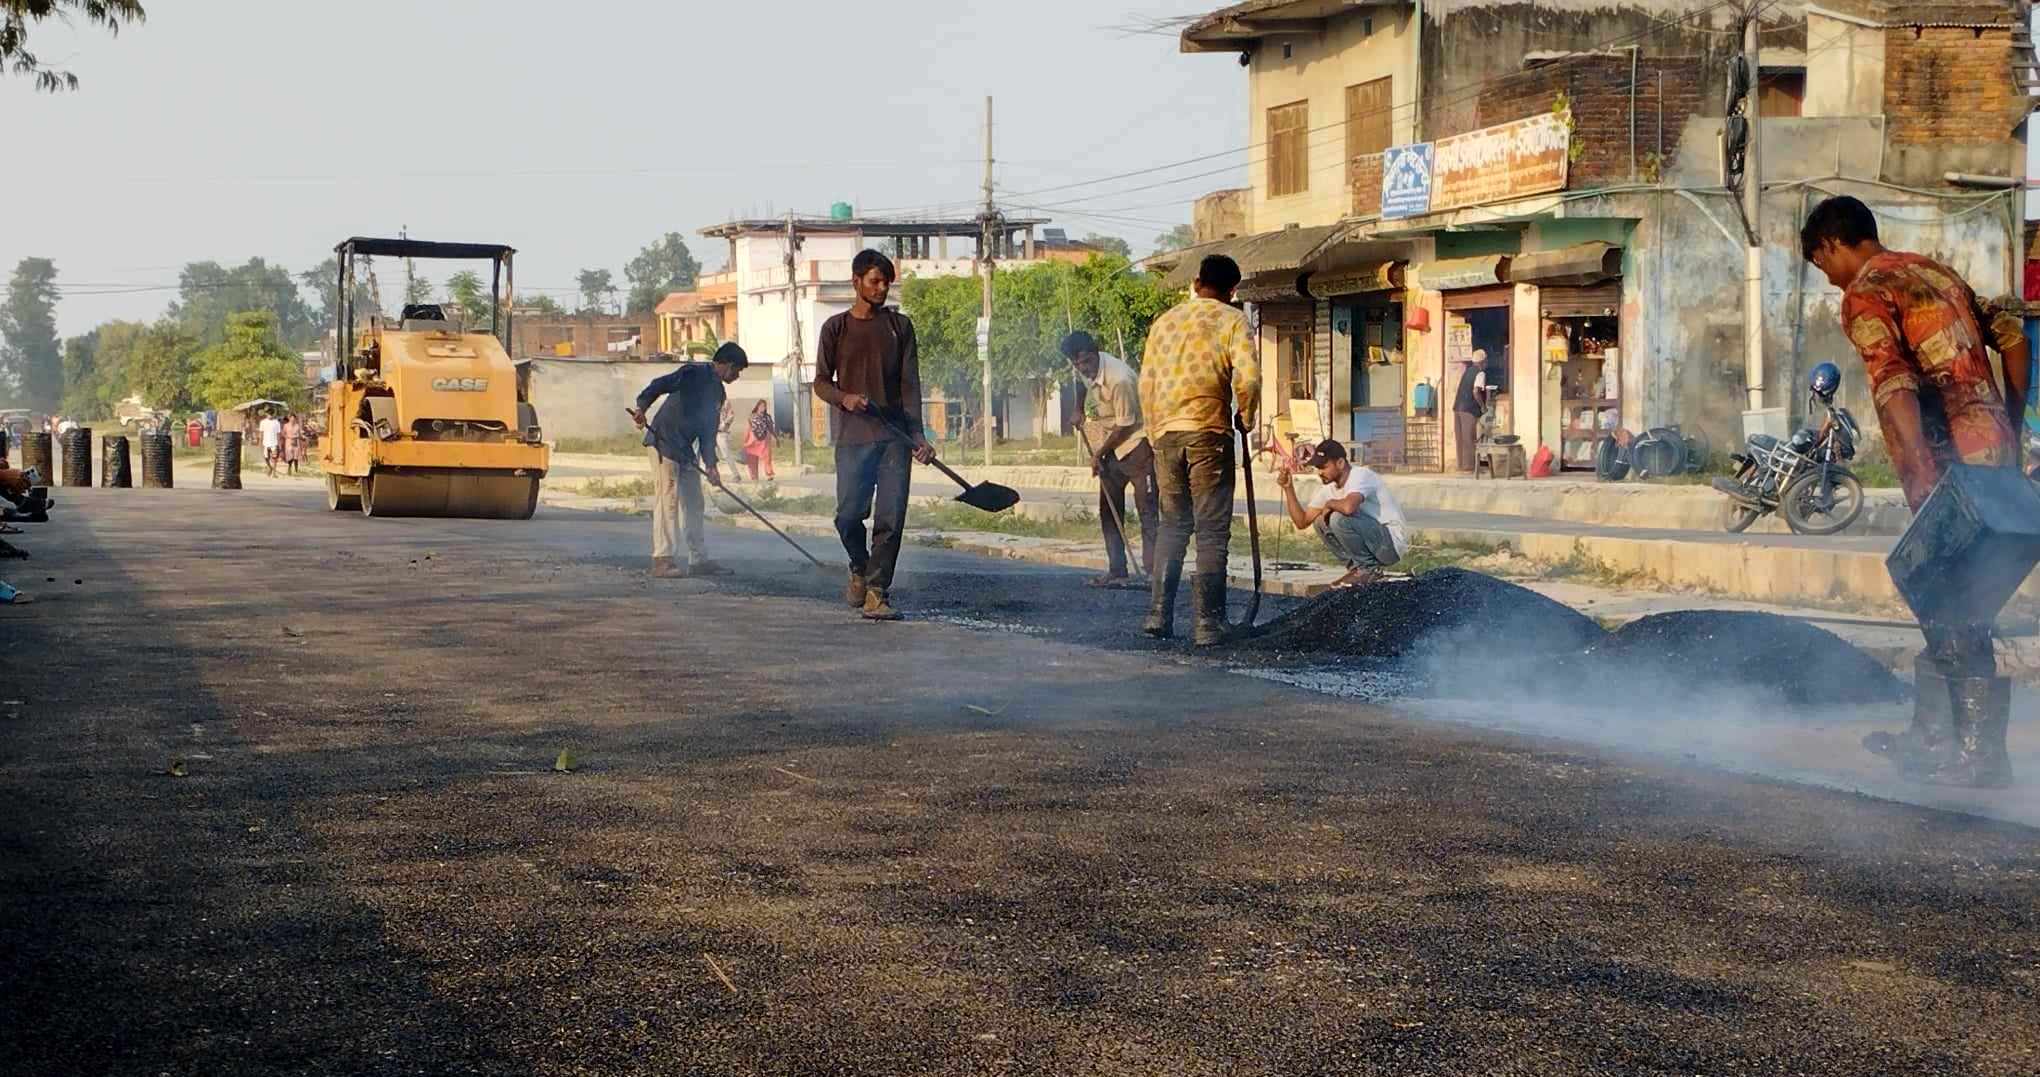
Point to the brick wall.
(1363, 176)
(1598, 88)
(1949, 85)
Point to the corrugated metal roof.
(1262, 252)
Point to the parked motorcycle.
(1806, 476)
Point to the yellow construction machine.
(425, 416)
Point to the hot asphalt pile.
(1728, 649)
(1441, 608)
(1455, 631)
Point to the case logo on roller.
(461, 385)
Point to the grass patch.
(619, 488)
(613, 445)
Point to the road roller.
(425, 416)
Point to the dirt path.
(796, 843)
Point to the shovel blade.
(990, 497)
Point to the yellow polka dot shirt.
(1200, 365)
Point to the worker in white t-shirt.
(271, 429)
(1353, 512)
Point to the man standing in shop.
(1468, 405)
(1199, 382)
(1922, 335)
(868, 365)
(1122, 458)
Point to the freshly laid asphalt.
(281, 797)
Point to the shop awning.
(1375, 277)
(1585, 263)
(1447, 274)
(1262, 252)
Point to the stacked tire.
(226, 468)
(36, 452)
(156, 462)
(116, 470)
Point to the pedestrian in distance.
(722, 429)
(1468, 405)
(1922, 334)
(1353, 513)
(1122, 458)
(680, 444)
(867, 365)
(759, 435)
(1199, 382)
(271, 430)
(293, 443)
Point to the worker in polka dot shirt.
(1199, 381)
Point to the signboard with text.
(1406, 180)
(1493, 164)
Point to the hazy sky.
(578, 132)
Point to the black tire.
(337, 501)
(1801, 502)
(1699, 450)
(1611, 461)
(1736, 516)
(1658, 453)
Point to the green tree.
(467, 292)
(419, 290)
(17, 16)
(323, 281)
(1175, 239)
(84, 388)
(665, 266)
(1110, 244)
(597, 288)
(153, 362)
(208, 292)
(539, 303)
(249, 364)
(31, 360)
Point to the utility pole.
(404, 232)
(1753, 214)
(799, 377)
(988, 237)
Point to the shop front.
(1478, 340)
(1579, 304)
(1367, 362)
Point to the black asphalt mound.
(1444, 607)
(1726, 649)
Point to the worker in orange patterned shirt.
(1922, 334)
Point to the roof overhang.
(1240, 26)
(1263, 252)
(421, 248)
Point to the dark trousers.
(1194, 483)
(1465, 429)
(1136, 469)
(871, 482)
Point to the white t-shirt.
(1375, 501)
(272, 433)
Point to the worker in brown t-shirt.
(867, 366)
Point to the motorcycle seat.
(1763, 441)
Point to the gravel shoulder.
(793, 842)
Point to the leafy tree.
(31, 361)
(208, 292)
(597, 287)
(16, 16)
(152, 362)
(250, 363)
(665, 266)
(1175, 239)
(541, 303)
(324, 282)
(419, 290)
(84, 388)
(467, 292)
(1110, 244)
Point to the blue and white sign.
(1406, 180)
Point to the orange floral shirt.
(1921, 330)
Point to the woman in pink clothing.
(758, 438)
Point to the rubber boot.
(1209, 589)
(1161, 615)
(1923, 745)
(1977, 757)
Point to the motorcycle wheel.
(1811, 511)
(1736, 516)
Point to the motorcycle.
(1807, 477)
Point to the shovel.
(985, 496)
(664, 448)
(1246, 625)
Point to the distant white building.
(755, 282)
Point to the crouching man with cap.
(1352, 511)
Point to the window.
(1779, 93)
(1369, 119)
(1293, 345)
(1288, 149)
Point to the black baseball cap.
(1326, 451)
